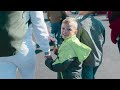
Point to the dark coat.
(114, 20)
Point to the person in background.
(92, 34)
(25, 60)
(12, 32)
(114, 20)
(55, 18)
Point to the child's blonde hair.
(72, 21)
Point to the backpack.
(12, 32)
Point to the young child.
(93, 35)
(71, 53)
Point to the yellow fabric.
(70, 48)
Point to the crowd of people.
(77, 42)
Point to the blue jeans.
(88, 72)
(56, 30)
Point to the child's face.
(67, 30)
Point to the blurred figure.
(12, 32)
(91, 34)
(25, 59)
(55, 18)
(114, 20)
